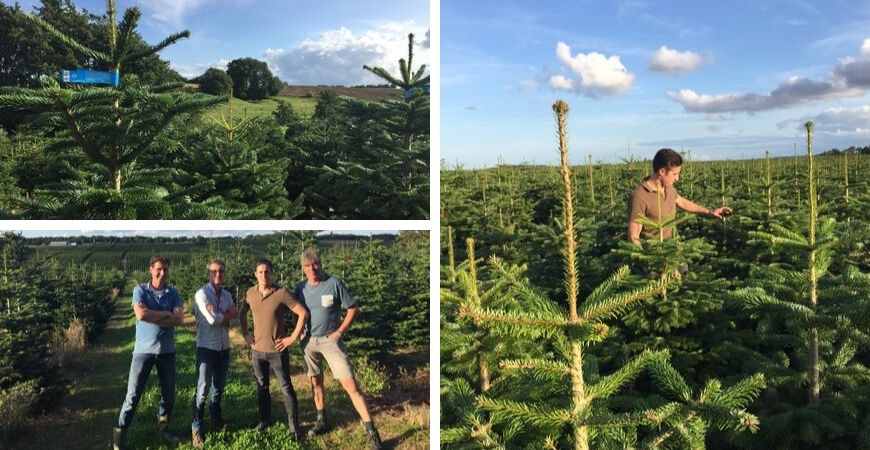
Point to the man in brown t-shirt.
(269, 305)
(656, 198)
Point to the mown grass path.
(85, 417)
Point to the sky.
(304, 42)
(724, 80)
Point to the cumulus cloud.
(836, 122)
(336, 57)
(850, 76)
(671, 61)
(196, 70)
(170, 12)
(596, 74)
(426, 41)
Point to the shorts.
(316, 349)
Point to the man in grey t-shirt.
(325, 296)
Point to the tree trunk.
(116, 178)
(579, 402)
(483, 371)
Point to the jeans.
(211, 371)
(140, 369)
(280, 364)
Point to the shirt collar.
(155, 291)
(651, 186)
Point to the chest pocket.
(326, 301)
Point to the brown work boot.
(163, 430)
(196, 438)
(119, 438)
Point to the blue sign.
(410, 92)
(91, 77)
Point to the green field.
(303, 106)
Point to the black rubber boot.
(119, 438)
(375, 439)
(318, 428)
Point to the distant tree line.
(851, 149)
(245, 78)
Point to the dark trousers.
(140, 368)
(211, 372)
(279, 362)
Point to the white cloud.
(849, 77)
(560, 82)
(597, 73)
(336, 57)
(836, 122)
(200, 68)
(674, 62)
(170, 12)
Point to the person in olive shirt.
(644, 200)
(325, 296)
(158, 311)
(269, 305)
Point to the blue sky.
(304, 42)
(723, 79)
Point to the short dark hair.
(264, 262)
(160, 259)
(667, 159)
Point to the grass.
(84, 419)
(303, 106)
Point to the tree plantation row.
(749, 332)
(54, 308)
(148, 149)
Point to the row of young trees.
(44, 305)
(766, 330)
(144, 151)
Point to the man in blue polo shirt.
(325, 296)
(158, 311)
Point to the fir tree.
(232, 162)
(112, 126)
(814, 333)
(415, 108)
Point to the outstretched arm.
(694, 208)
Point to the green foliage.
(372, 377)
(15, 405)
(252, 79)
(215, 82)
(38, 296)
